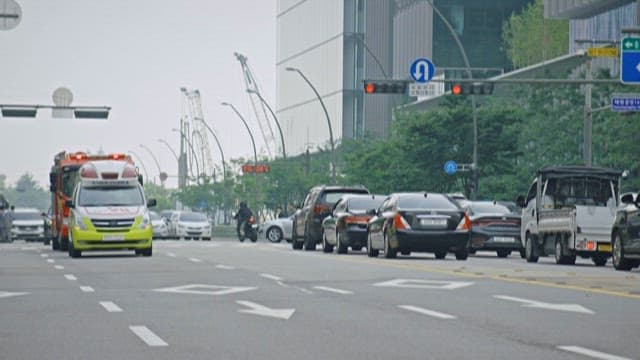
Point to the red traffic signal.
(475, 88)
(385, 87)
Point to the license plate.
(433, 222)
(604, 247)
(502, 239)
(112, 237)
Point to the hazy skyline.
(133, 56)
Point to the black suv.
(307, 222)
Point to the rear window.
(430, 202)
(489, 208)
(193, 217)
(332, 197)
(365, 203)
(27, 215)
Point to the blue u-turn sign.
(422, 70)
(450, 167)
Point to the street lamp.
(155, 159)
(255, 153)
(333, 150)
(251, 91)
(144, 168)
(192, 150)
(170, 148)
(215, 137)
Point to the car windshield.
(431, 202)
(110, 196)
(27, 215)
(365, 203)
(192, 217)
(489, 208)
(331, 197)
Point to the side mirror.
(372, 212)
(43, 214)
(151, 202)
(627, 199)
(52, 188)
(520, 201)
(69, 203)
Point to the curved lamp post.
(144, 168)
(194, 153)
(215, 137)
(250, 91)
(170, 148)
(326, 113)
(155, 159)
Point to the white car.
(190, 225)
(159, 225)
(28, 224)
(277, 229)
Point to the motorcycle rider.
(243, 215)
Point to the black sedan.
(625, 237)
(494, 227)
(419, 222)
(347, 225)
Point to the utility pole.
(588, 118)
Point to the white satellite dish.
(10, 14)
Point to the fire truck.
(63, 178)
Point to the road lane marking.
(6, 294)
(202, 289)
(148, 336)
(50, 261)
(272, 277)
(591, 353)
(110, 306)
(195, 260)
(261, 310)
(44, 255)
(225, 267)
(171, 254)
(547, 306)
(427, 312)
(86, 289)
(333, 290)
(59, 267)
(70, 277)
(424, 284)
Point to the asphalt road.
(227, 300)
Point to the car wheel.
(55, 245)
(530, 251)
(326, 247)
(309, 243)
(472, 251)
(72, 250)
(599, 259)
(147, 252)
(64, 243)
(619, 262)
(503, 253)
(341, 247)
(389, 253)
(295, 244)
(371, 252)
(274, 234)
(523, 254)
(462, 254)
(440, 254)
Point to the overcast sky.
(133, 56)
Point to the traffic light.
(475, 88)
(385, 87)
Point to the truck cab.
(109, 210)
(569, 211)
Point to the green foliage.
(162, 195)
(27, 193)
(530, 38)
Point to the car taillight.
(89, 171)
(400, 223)
(65, 211)
(319, 209)
(129, 172)
(251, 220)
(356, 219)
(465, 223)
(117, 156)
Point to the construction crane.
(259, 109)
(195, 117)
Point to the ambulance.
(109, 210)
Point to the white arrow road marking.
(257, 309)
(171, 254)
(225, 267)
(59, 267)
(195, 260)
(272, 277)
(6, 294)
(44, 255)
(427, 312)
(86, 289)
(148, 336)
(591, 353)
(50, 261)
(548, 306)
(333, 290)
(110, 306)
(424, 284)
(70, 277)
(206, 289)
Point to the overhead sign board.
(630, 60)
(603, 52)
(422, 70)
(625, 102)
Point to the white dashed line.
(171, 254)
(86, 289)
(111, 307)
(333, 290)
(225, 267)
(148, 336)
(195, 260)
(591, 353)
(272, 277)
(44, 255)
(427, 312)
(50, 261)
(70, 277)
(59, 267)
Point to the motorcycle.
(249, 229)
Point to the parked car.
(191, 225)
(159, 225)
(625, 236)
(419, 222)
(494, 227)
(28, 224)
(307, 223)
(460, 199)
(166, 214)
(48, 233)
(277, 229)
(346, 226)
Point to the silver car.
(159, 225)
(28, 224)
(277, 229)
(191, 225)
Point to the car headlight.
(79, 222)
(146, 221)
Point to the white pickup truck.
(568, 212)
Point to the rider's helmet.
(243, 204)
